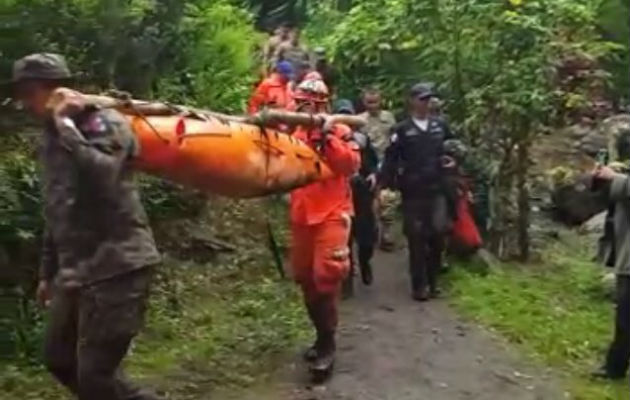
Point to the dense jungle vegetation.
(510, 71)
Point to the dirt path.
(391, 348)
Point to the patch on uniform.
(95, 125)
(393, 138)
(412, 132)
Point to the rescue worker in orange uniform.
(320, 225)
(274, 91)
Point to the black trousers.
(364, 224)
(425, 219)
(619, 352)
(89, 333)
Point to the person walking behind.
(326, 69)
(292, 50)
(618, 187)
(364, 224)
(416, 163)
(280, 35)
(379, 125)
(320, 215)
(274, 91)
(99, 255)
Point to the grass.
(557, 311)
(223, 332)
(224, 323)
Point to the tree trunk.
(500, 205)
(523, 200)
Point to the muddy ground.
(392, 348)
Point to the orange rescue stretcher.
(232, 156)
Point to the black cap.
(344, 106)
(41, 66)
(422, 91)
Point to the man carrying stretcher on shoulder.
(320, 225)
(99, 255)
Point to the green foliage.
(20, 203)
(215, 63)
(502, 67)
(219, 323)
(617, 29)
(558, 311)
(194, 51)
(164, 200)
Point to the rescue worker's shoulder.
(398, 130)
(361, 139)
(388, 117)
(108, 127)
(342, 131)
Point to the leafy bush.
(216, 63)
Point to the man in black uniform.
(416, 163)
(364, 228)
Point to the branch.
(125, 104)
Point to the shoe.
(603, 374)
(366, 274)
(420, 295)
(322, 368)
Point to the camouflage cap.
(44, 66)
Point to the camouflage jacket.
(96, 226)
(378, 129)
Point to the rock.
(594, 224)
(575, 203)
(605, 136)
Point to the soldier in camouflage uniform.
(379, 124)
(99, 254)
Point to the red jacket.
(329, 199)
(273, 92)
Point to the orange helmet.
(312, 90)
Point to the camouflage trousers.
(89, 332)
(389, 202)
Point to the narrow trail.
(392, 348)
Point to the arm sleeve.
(257, 99)
(342, 153)
(49, 262)
(620, 188)
(101, 149)
(372, 157)
(389, 168)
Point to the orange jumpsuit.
(321, 214)
(273, 92)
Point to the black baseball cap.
(422, 91)
(344, 106)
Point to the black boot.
(322, 367)
(421, 295)
(365, 255)
(605, 374)
(366, 274)
(311, 353)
